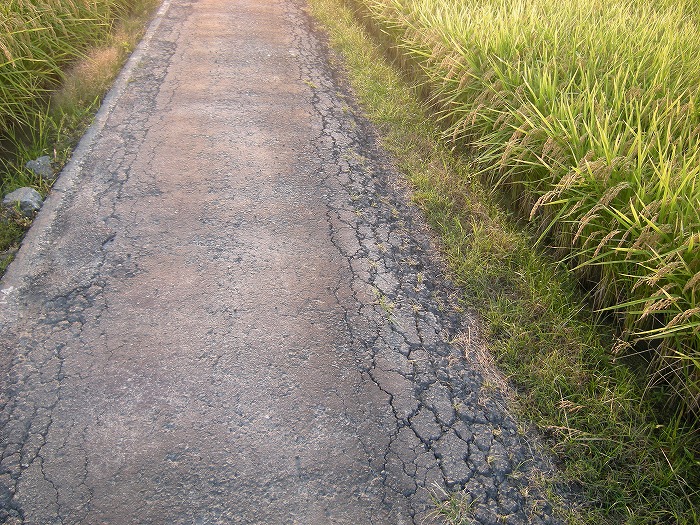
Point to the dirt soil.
(228, 313)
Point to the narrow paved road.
(227, 313)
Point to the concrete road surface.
(227, 313)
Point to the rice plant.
(586, 114)
(38, 38)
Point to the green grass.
(57, 59)
(38, 39)
(586, 113)
(630, 461)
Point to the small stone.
(42, 167)
(29, 200)
(5, 496)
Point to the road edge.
(69, 177)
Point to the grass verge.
(629, 461)
(61, 57)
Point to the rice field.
(586, 114)
(38, 39)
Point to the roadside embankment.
(57, 59)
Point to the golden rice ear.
(651, 209)
(475, 113)
(6, 51)
(585, 220)
(625, 237)
(692, 283)
(613, 192)
(544, 199)
(658, 306)
(604, 241)
(653, 278)
(590, 239)
(683, 316)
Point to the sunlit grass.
(586, 113)
(38, 38)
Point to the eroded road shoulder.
(227, 313)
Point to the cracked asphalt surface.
(228, 313)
